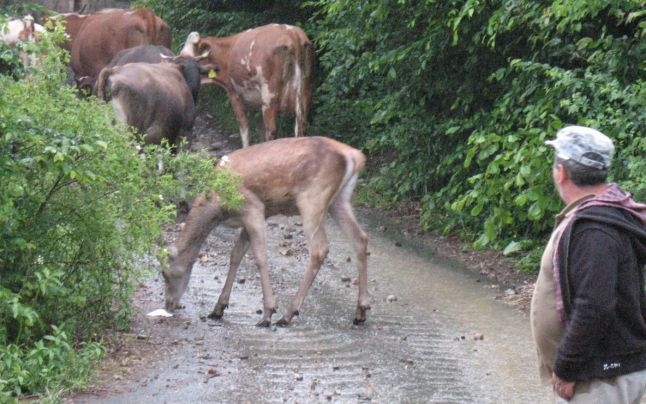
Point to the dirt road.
(437, 331)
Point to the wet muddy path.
(435, 334)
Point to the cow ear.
(167, 59)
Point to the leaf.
(512, 248)
(521, 200)
(535, 211)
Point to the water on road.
(435, 333)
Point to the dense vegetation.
(452, 101)
(81, 216)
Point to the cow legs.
(303, 95)
(341, 211)
(238, 252)
(241, 116)
(269, 112)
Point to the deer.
(306, 176)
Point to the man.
(588, 311)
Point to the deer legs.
(318, 249)
(239, 250)
(341, 211)
(252, 235)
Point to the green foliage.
(80, 206)
(49, 363)
(576, 72)
(222, 18)
(453, 102)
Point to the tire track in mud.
(322, 356)
(413, 347)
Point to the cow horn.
(165, 57)
(203, 55)
(193, 37)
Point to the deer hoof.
(282, 322)
(218, 311)
(360, 317)
(264, 323)
(215, 316)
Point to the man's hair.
(583, 175)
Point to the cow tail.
(306, 61)
(102, 87)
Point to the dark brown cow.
(152, 97)
(105, 33)
(157, 54)
(269, 68)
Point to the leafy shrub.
(453, 102)
(221, 18)
(578, 71)
(81, 204)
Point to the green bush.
(453, 101)
(81, 205)
(585, 66)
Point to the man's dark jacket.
(602, 255)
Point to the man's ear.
(561, 173)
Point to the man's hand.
(563, 388)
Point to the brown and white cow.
(20, 29)
(152, 97)
(105, 33)
(269, 68)
(310, 176)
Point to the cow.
(152, 97)
(310, 176)
(73, 23)
(141, 53)
(269, 68)
(17, 32)
(105, 33)
(20, 30)
(191, 71)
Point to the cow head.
(28, 33)
(190, 69)
(85, 85)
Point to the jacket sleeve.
(593, 262)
